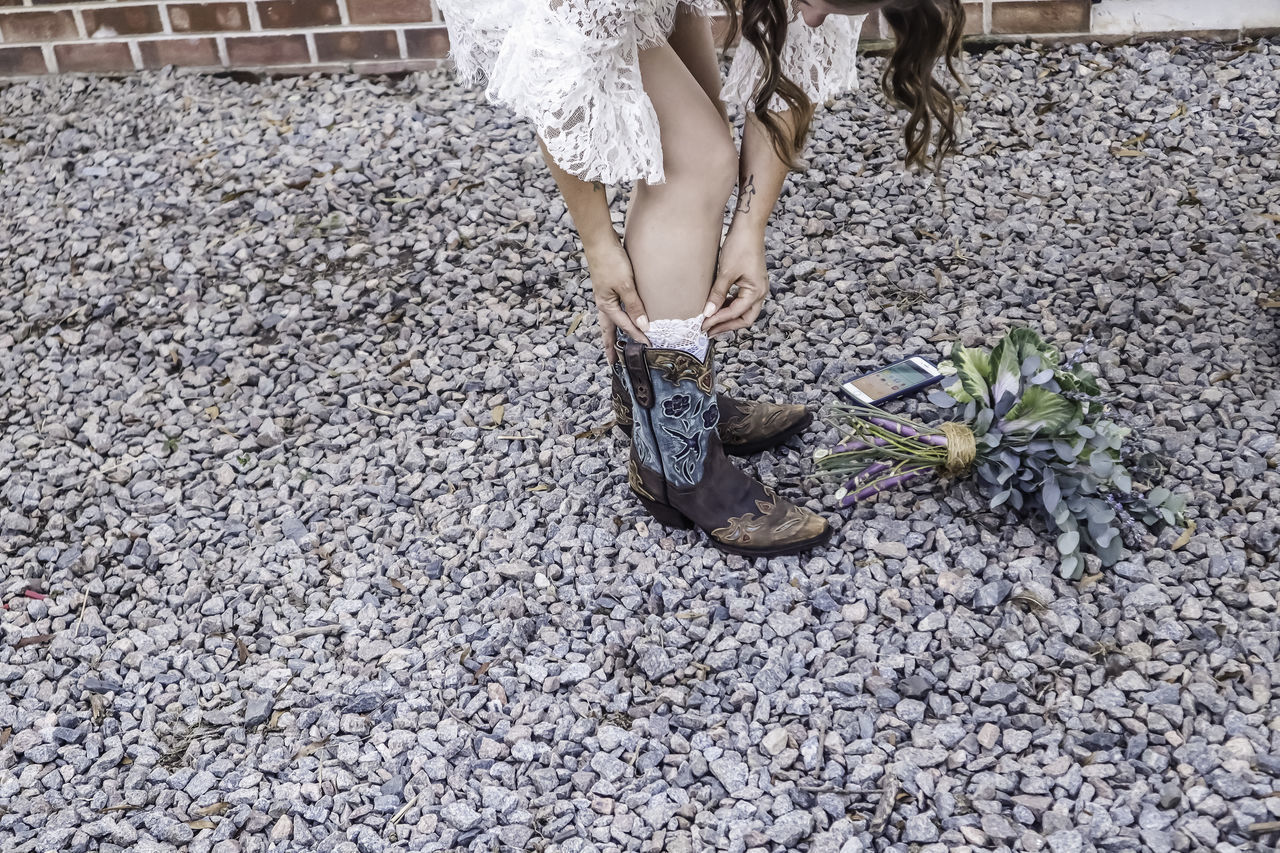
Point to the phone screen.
(889, 380)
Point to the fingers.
(634, 310)
(735, 310)
(622, 320)
(718, 296)
(609, 334)
(746, 319)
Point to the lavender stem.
(893, 427)
(876, 488)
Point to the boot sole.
(671, 517)
(758, 446)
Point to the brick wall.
(40, 37)
(120, 36)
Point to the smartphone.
(891, 382)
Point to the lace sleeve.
(822, 61)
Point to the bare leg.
(673, 229)
(695, 44)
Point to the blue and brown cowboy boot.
(745, 427)
(678, 467)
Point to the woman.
(622, 90)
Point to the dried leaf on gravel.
(310, 749)
(596, 432)
(1182, 540)
(213, 809)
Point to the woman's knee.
(710, 169)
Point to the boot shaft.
(673, 409)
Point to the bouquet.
(1032, 434)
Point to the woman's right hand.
(614, 286)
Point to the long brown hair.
(924, 32)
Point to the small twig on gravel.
(83, 601)
(888, 797)
(395, 818)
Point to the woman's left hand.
(741, 264)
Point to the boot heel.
(668, 515)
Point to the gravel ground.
(309, 543)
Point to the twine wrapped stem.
(962, 447)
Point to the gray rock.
(1066, 841)
(461, 816)
(791, 828)
(608, 766)
(990, 595)
(920, 830)
(730, 770)
(999, 693)
(259, 709)
(655, 662)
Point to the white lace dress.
(571, 67)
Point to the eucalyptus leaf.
(1111, 552)
(942, 399)
(983, 421)
(1068, 542)
(1102, 464)
(1065, 450)
(1070, 566)
(1098, 511)
(1051, 494)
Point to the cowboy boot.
(746, 426)
(678, 468)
